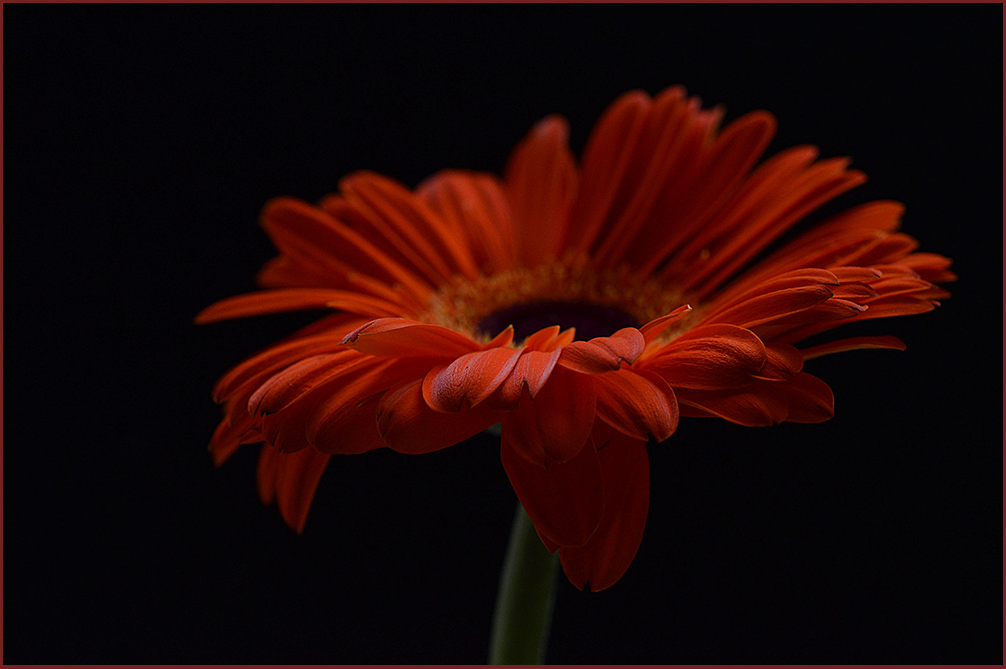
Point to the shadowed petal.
(639, 405)
(409, 425)
(563, 500)
(625, 473)
(469, 379)
(291, 479)
(711, 357)
(556, 423)
(603, 354)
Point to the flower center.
(590, 320)
(572, 292)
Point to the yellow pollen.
(462, 304)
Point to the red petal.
(603, 354)
(772, 306)
(652, 330)
(556, 423)
(295, 299)
(475, 206)
(471, 378)
(400, 337)
(625, 472)
(541, 177)
(343, 407)
(852, 344)
(782, 363)
(531, 371)
(409, 425)
(291, 479)
(563, 500)
(710, 357)
(635, 405)
(810, 399)
(285, 387)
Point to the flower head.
(584, 307)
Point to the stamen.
(569, 293)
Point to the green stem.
(524, 603)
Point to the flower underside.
(585, 306)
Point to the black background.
(141, 143)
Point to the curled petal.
(639, 405)
(652, 330)
(625, 473)
(409, 425)
(711, 357)
(564, 500)
(555, 424)
(531, 371)
(782, 362)
(603, 354)
(469, 379)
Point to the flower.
(584, 308)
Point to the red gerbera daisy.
(584, 308)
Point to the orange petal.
(852, 344)
(291, 479)
(541, 178)
(409, 425)
(295, 299)
(339, 405)
(710, 357)
(603, 354)
(475, 206)
(809, 399)
(606, 159)
(652, 330)
(772, 306)
(471, 378)
(782, 362)
(400, 337)
(638, 405)
(625, 472)
(564, 500)
(276, 393)
(531, 371)
(556, 423)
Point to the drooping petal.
(625, 473)
(555, 424)
(564, 500)
(603, 354)
(808, 399)
(640, 405)
(292, 480)
(541, 179)
(409, 425)
(468, 380)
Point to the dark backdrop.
(142, 142)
